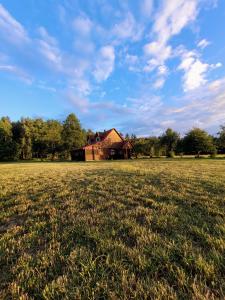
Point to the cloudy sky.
(138, 65)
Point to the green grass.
(150, 229)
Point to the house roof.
(103, 135)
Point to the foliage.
(198, 141)
(112, 230)
(221, 139)
(37, 138)
(72, 134)
(147, 146)
(169, 140)
(8, 147)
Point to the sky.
(139, 66)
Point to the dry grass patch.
(151, 229)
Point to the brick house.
(104, 145)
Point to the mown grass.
(151, 229)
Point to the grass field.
(144, 229)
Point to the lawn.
(141, 229)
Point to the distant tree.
(8, 148)
(198, 141)
(169, 140)
(138, 147)
(180, 147)
(133, 139)
(146, 146)
(89, 132)
(22, 135)
(127, 137)
(52, 137)
(221, 138)
(72, 134)
(39, 144)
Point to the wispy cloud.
(127, 28)
(172, 17)
(82, 25)
(203, 43)
(11, 29)
(147, 8)
(17, 72)
(48, 47)
(105, 63)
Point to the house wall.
(102, 150)
(93, 154)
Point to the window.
(112, 152)
(98, 139)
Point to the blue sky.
(138, 66)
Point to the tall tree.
(221, 138)
(22, 135)
(8, 148)
(39, 132)
(169, 140)
(198, 141)
(72, 134)
(52, 137)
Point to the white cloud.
(203, 108)
(217, 65)
(171, 18)
(82, 25)
(158, 50)
(194, 71)
(48, 47)
(11, 29)
(128, 28)
(203, 43)
(162, 70)
(147, 8)
(81, 85)
(19, 73)
(159, 83)
(105, 63)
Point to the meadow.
(140, 229)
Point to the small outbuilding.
(104, 145)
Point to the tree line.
(170, 143)
(51, 139)
(37, 138)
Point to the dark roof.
(103, 135)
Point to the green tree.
(198, 141)
(8, 148)
(39, 145)
(169, 140)
(146, 146)
(127, 137)
(72, 134)
(52, 137)
(221, 138)
(22, 135)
